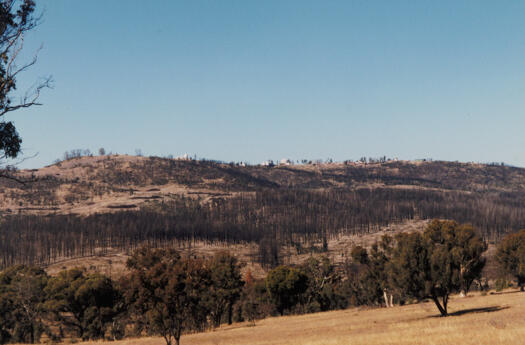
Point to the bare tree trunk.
(32, 330)
(177, 335)
(389, 298)
(167, 338)
(230, 313)
(442, 309)
(385, 296)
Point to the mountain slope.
(89, 185)
(113, 204)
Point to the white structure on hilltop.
(184, 157)
(268, 163)
(285, 161)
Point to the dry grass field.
(493, 319)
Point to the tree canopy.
(168, 292)
(445, 258)
(226, 285)
(285, 286)
(22, 300)
(84, 302)
(511, 256)
(17, 17)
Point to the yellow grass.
(480, 320)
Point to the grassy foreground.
(492, 319)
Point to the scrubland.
(496, 318)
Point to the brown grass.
(481, 320)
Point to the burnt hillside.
(84, 206)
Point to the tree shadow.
(475, 310)
(504, 292)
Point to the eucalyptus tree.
(442, 260)
(511, 256)
(17, 18)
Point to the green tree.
(467, 250)
(374, 281)
(226, 285)
(285, 285)
(16, 18)
(410, 267)
(22, 298)
(323, 292)
(255, 302)
(168, 292)
(7, 319)
(511, 256)
(442, 260)
(83, 302)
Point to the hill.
(87, 185)
(109, 205)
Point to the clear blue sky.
(253, 80)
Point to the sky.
(256, 80)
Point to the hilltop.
(99, 184)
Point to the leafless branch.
(17, 18)
(20, 161)
(9, 176)
(9, 171)
(30, 100)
